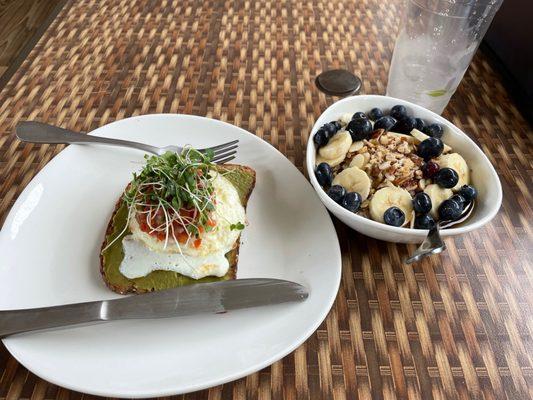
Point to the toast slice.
(242, 178)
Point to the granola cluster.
(389, 159)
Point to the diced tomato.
(211, 223)
(186, 212)
(197, 243)
(178, 228)
(182, 237)
(143, 225)
(201, 229)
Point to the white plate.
(50, 244)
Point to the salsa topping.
(173, 196)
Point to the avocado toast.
(241, 178)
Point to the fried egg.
(144, 253)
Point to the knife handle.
(19, 321)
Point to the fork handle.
(38, 132)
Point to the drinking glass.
(436, 43)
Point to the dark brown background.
(455, 326)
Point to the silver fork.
(433, 243)
(38, 132)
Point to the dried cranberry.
(430, 169)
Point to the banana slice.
(337, 146)
(356, 146)
(437, 195)
(388, 197)
(421, 136)
(354, 179)
(457, 162)
(345, 118)
(332, 163)
(358, 161)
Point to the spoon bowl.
(433, 244)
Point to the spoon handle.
(432, 244)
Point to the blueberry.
(337, 125)
(394, 216)
(458, 198)
(384, 123)
(405, 125)
(336, 192)
(450, 210)
(434, 130)
(430, 148)
(375, 114)
(321, 138)
(447, 178)
(422, 203)
(330, 129)
(398, 111)
(351, 201)
(429, 169)
(424, 221)
(420, 124)
(324, 174)
(359, 115)
(468, 192)
(359, 129)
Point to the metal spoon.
(433, 243)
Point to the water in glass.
(436, 43)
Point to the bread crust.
(232, 255)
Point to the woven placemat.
(455, 326)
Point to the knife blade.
(216, 297)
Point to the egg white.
(144, 253)
(139, 261)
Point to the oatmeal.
(396, 173)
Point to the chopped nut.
(388, 160)
(377, 134)
(384, 165)
(392, 157)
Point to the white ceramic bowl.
(483, 175)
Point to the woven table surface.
(455, 326)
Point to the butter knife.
(216, 297)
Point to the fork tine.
(220, 146)
(222, 156)
(226, 158)
(224, 150)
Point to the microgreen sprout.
(173, 198)
(173, 195)
(239, 226)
